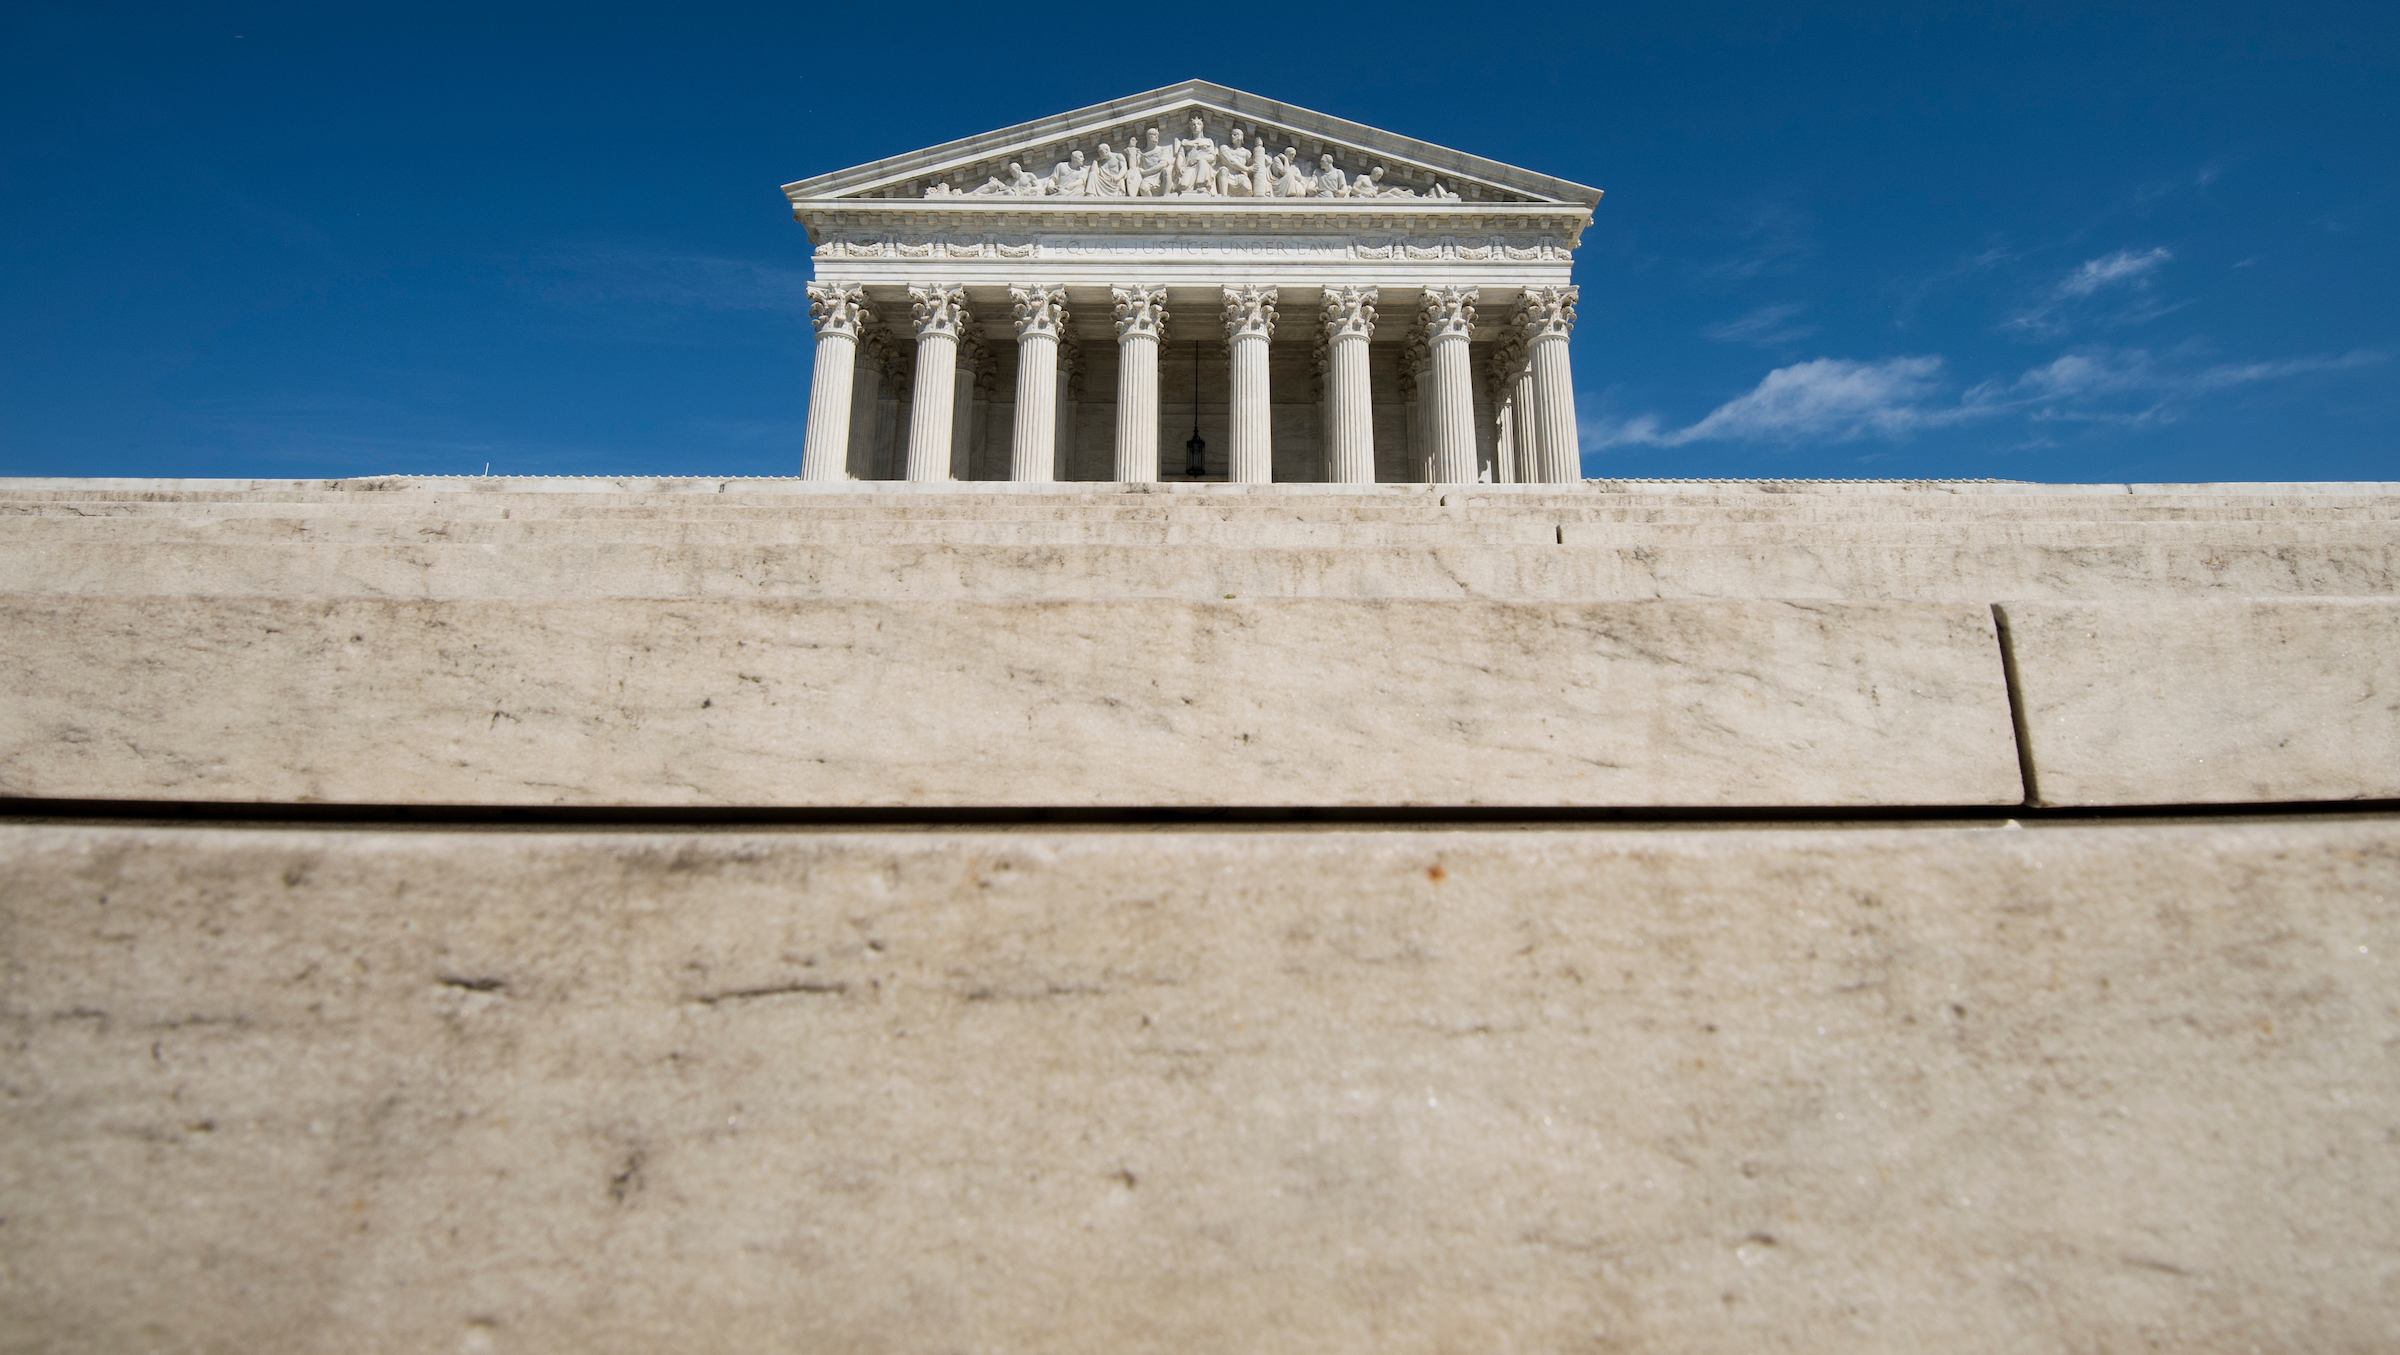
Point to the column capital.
(1250, 311)
(1350, 312)
(1546, 312)
(1416, 354)
(1039, 310)
(837, 309)
(1139, 310)
(890, 356)
(1449, 312)
(973, 353)
(938, 308)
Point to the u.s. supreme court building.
(1192, 284)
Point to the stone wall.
(589, 917)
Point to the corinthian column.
(1141, 316)
(1416, 379)
(939, 310)
(1039, 312)
(837, 312)
(1546, 314)
(1528, 420)
(1349, 324)
(974, 359)
(1449, 315)
(1249, 326)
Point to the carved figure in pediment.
(1373, 186)
(1437, 193)
(1068, 177)
(1331, 182)
(1196, 161)
(1111, 178)
(1016, 184)
(1290, 180)
(1239, 169)
(1152, 165)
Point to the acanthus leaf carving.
(1250, 311)
(1139, 310)
(1038, 309)
(938, 308)
(1350, 311)
(1547, 312)
(1449, 312)
(838, 310)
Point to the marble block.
(1141, 702)
(2097, 1088)
(2209, 701)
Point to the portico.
(1351, 308)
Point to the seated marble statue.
(1196, 162)
(1289, 179)
(1067, 178)
(1331, 182)
(1235, 164)
(1110, 178)
(1151, 167)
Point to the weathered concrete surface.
(2195, 702)
(2100, 1088)
(1826, 564)
(1070, 703)
(752, 539)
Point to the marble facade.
(1313, 300)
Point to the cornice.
(1188, 216)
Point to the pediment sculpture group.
(1194, 166)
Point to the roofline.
(1200, 91)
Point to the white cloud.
(2112, 270)
(1825, 400)
(1831, 400)
(1766, 327)
(2075, 297)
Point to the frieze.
(1408, 248)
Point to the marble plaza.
(1202, 285)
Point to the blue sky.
(2057, 244)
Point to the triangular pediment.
(977, 167)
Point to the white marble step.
(1955, 571)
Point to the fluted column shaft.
(1548, 314)
(866, 396)
(1349, 326)
(971, 358)
(1249, 328)
(1034, 446)
(1527, 425)
(1141, 315)
(1416, 378)
(1449, 315)
(937, 310)
(837, 313)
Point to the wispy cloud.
(1834, 400)
(1766, 327)
(2126, 274)
(2112, 270)
(2135, 386)
(1826, 400)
